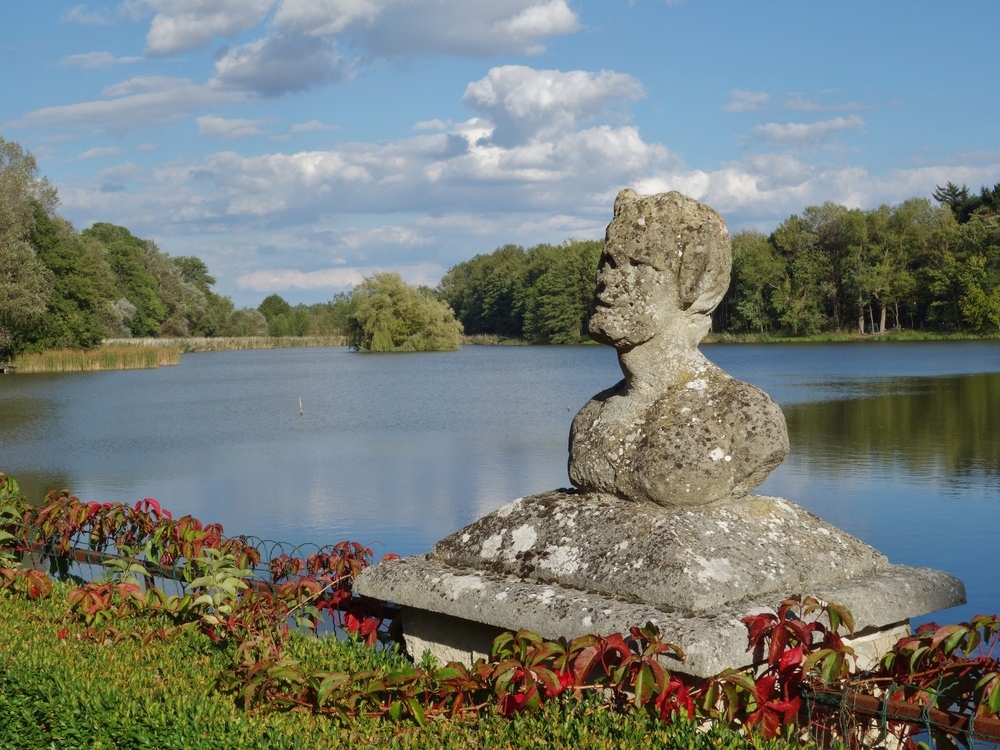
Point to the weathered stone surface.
(690, 559)
(677, 430)
(712, 641)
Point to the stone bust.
(677, 430)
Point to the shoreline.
(149, 353)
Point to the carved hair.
(692, 245)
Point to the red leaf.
(675, 700)
(791, 659)
(779, 640)
(765, 689)
(511, 703)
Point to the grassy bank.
(233, 343)
(113, 357)
(840, 336)
(491, 339)
(60, 687)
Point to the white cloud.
(99, 153)
(221, 127)
(806, 133)
(282, 279)
(539, 21)
(746, 101)
(279, 64)
(313, 126)
(384, 235)
(395, 28)
(560, 165)
(144, 101)
(96, 60)
(182, 25)
(79, 14)
(525, 103)
(326, 17)
(434, 124)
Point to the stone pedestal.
(565, 564)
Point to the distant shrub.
(388, 315)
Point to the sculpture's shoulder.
(593, 434)
(712, 438)
(705, 438)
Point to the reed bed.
(232, 343)
(107, 357)
(491, 339)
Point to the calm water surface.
(895, 443)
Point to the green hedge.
(139, 691)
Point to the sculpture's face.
(632, 301)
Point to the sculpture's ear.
(705, 270)
(625, 197)
(711, 285)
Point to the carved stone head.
(665, 267)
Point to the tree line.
(542, 295)
(831, 268)
(914, 265)
(60, 288)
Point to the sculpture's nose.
(608, 279)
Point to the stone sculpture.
(660, 526)
(676, 430)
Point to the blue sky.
(299, 145)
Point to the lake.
(894, 442)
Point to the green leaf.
(396, 710)
(644, 684)
(416, 711)
(994, 702)
(832, 668)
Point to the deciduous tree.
(388, 315)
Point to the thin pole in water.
(301, 412)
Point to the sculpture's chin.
(607, 327)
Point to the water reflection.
(942, 427)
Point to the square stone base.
(449, 638)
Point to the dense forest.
(60, 288)
(915, 265)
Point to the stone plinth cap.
(691, 559)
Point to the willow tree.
(388, 315)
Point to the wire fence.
(89, 543)
(891, 718)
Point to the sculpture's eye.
(607, 261)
